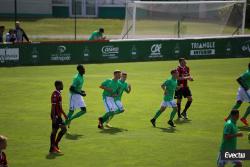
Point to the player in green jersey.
(110, 91)
(124, 87)
(169, 87)
(243, 94)
(229, 139)
(76, 94)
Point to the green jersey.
(124, 87)
(246, 78)
(95, 35)
(113, 84)
(170, 84)
(229, 144)
(78, 81)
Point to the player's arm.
(241, 82)
(106, 88)
(62, 111)
(53, 112)
(128, 90)
(73, 89)
(228, 133)
(164, 88)
(230, 136)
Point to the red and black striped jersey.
(3, 160)
(183, 72)
(56, 101)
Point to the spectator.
(2, 28)
(20, 33)
(11, 36)
(97, 35)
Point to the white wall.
(27, 6)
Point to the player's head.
(117, 74)
(174, 73)
(182, 62)
(124, 76)
(80, 68)
(3, 142)
(101, 30)
(235, 114)
(2, 28)
(59, 85)
(17, 24)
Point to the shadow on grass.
(53, 155)
(113, 130)
(73, 136)
(244, 128)
(182, 121)
(168, 130)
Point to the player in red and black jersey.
(56, 117)
(184, 91)
(3, 146)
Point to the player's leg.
(119, 106)
(188, 95)
(60, 135)
(79, 114)
(120, 109)
(220, 162)
(158, 113)
(71, 108)
(179, 107)
(173, 113)
(78, 102)
(244, 118)
(109, 111)
(55, 128)
(178, 96)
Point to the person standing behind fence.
(20, 33)
(97, 35)
(11, 36)
(2, 28)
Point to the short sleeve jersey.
(183, 72)
(78, 81)
(56, 100)
(229, 144)
(170, 84)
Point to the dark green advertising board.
(122, 51)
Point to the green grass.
(25, 107)
(57, 26)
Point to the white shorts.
(109, 104)
(119, 105)
(242, 95)
(222, 163)
(76, 101)
(169, 104)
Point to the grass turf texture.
(25, 107)
(59, 26)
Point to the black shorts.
(182, 92)
(59, 122)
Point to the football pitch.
(25, 116)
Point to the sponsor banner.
(9, 54)
(155, 51)
(110, 51)
(203, 48)
(61, 54)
